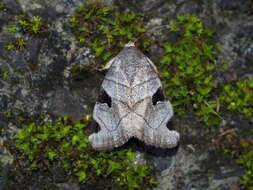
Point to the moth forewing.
(135, 105)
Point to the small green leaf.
(81, 176)
(10, 46)
(51, 155)
(12, 28)
(80, 125)
(75, 139)
(99, 50)
(84, 29)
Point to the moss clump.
(8, 114)
(10, 46)
(12, 28)
(106, 30)
(17, 44)
(4, 75)
(241, 150)
(239, 97)
(188, 69)
(246, 160)
(32, 25)
(67, 142)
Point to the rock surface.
(39, 82)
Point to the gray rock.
(4, 176)
(12, 6)
(3, 103)
(189, 7)
(67, 186)
(231, 5)
(40, 82)
(249, 53)
(187, 172)
(62, 102)
(5, 156)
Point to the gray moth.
(132, 104)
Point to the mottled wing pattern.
(131, 84)
(109, 120)
(156, 117)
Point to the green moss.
(67, 142)
(8, 114)
(188, 75)
(16, 44)
(241, 150)
(32, 25)
(106, 30)
(12, 28)
(246, 160)
(188, 69)
(10, 46)
(21, 43)
(4, 75)
(239, 96)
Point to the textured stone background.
(40, 83)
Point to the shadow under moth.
(132, 104)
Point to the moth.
(132, 104)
